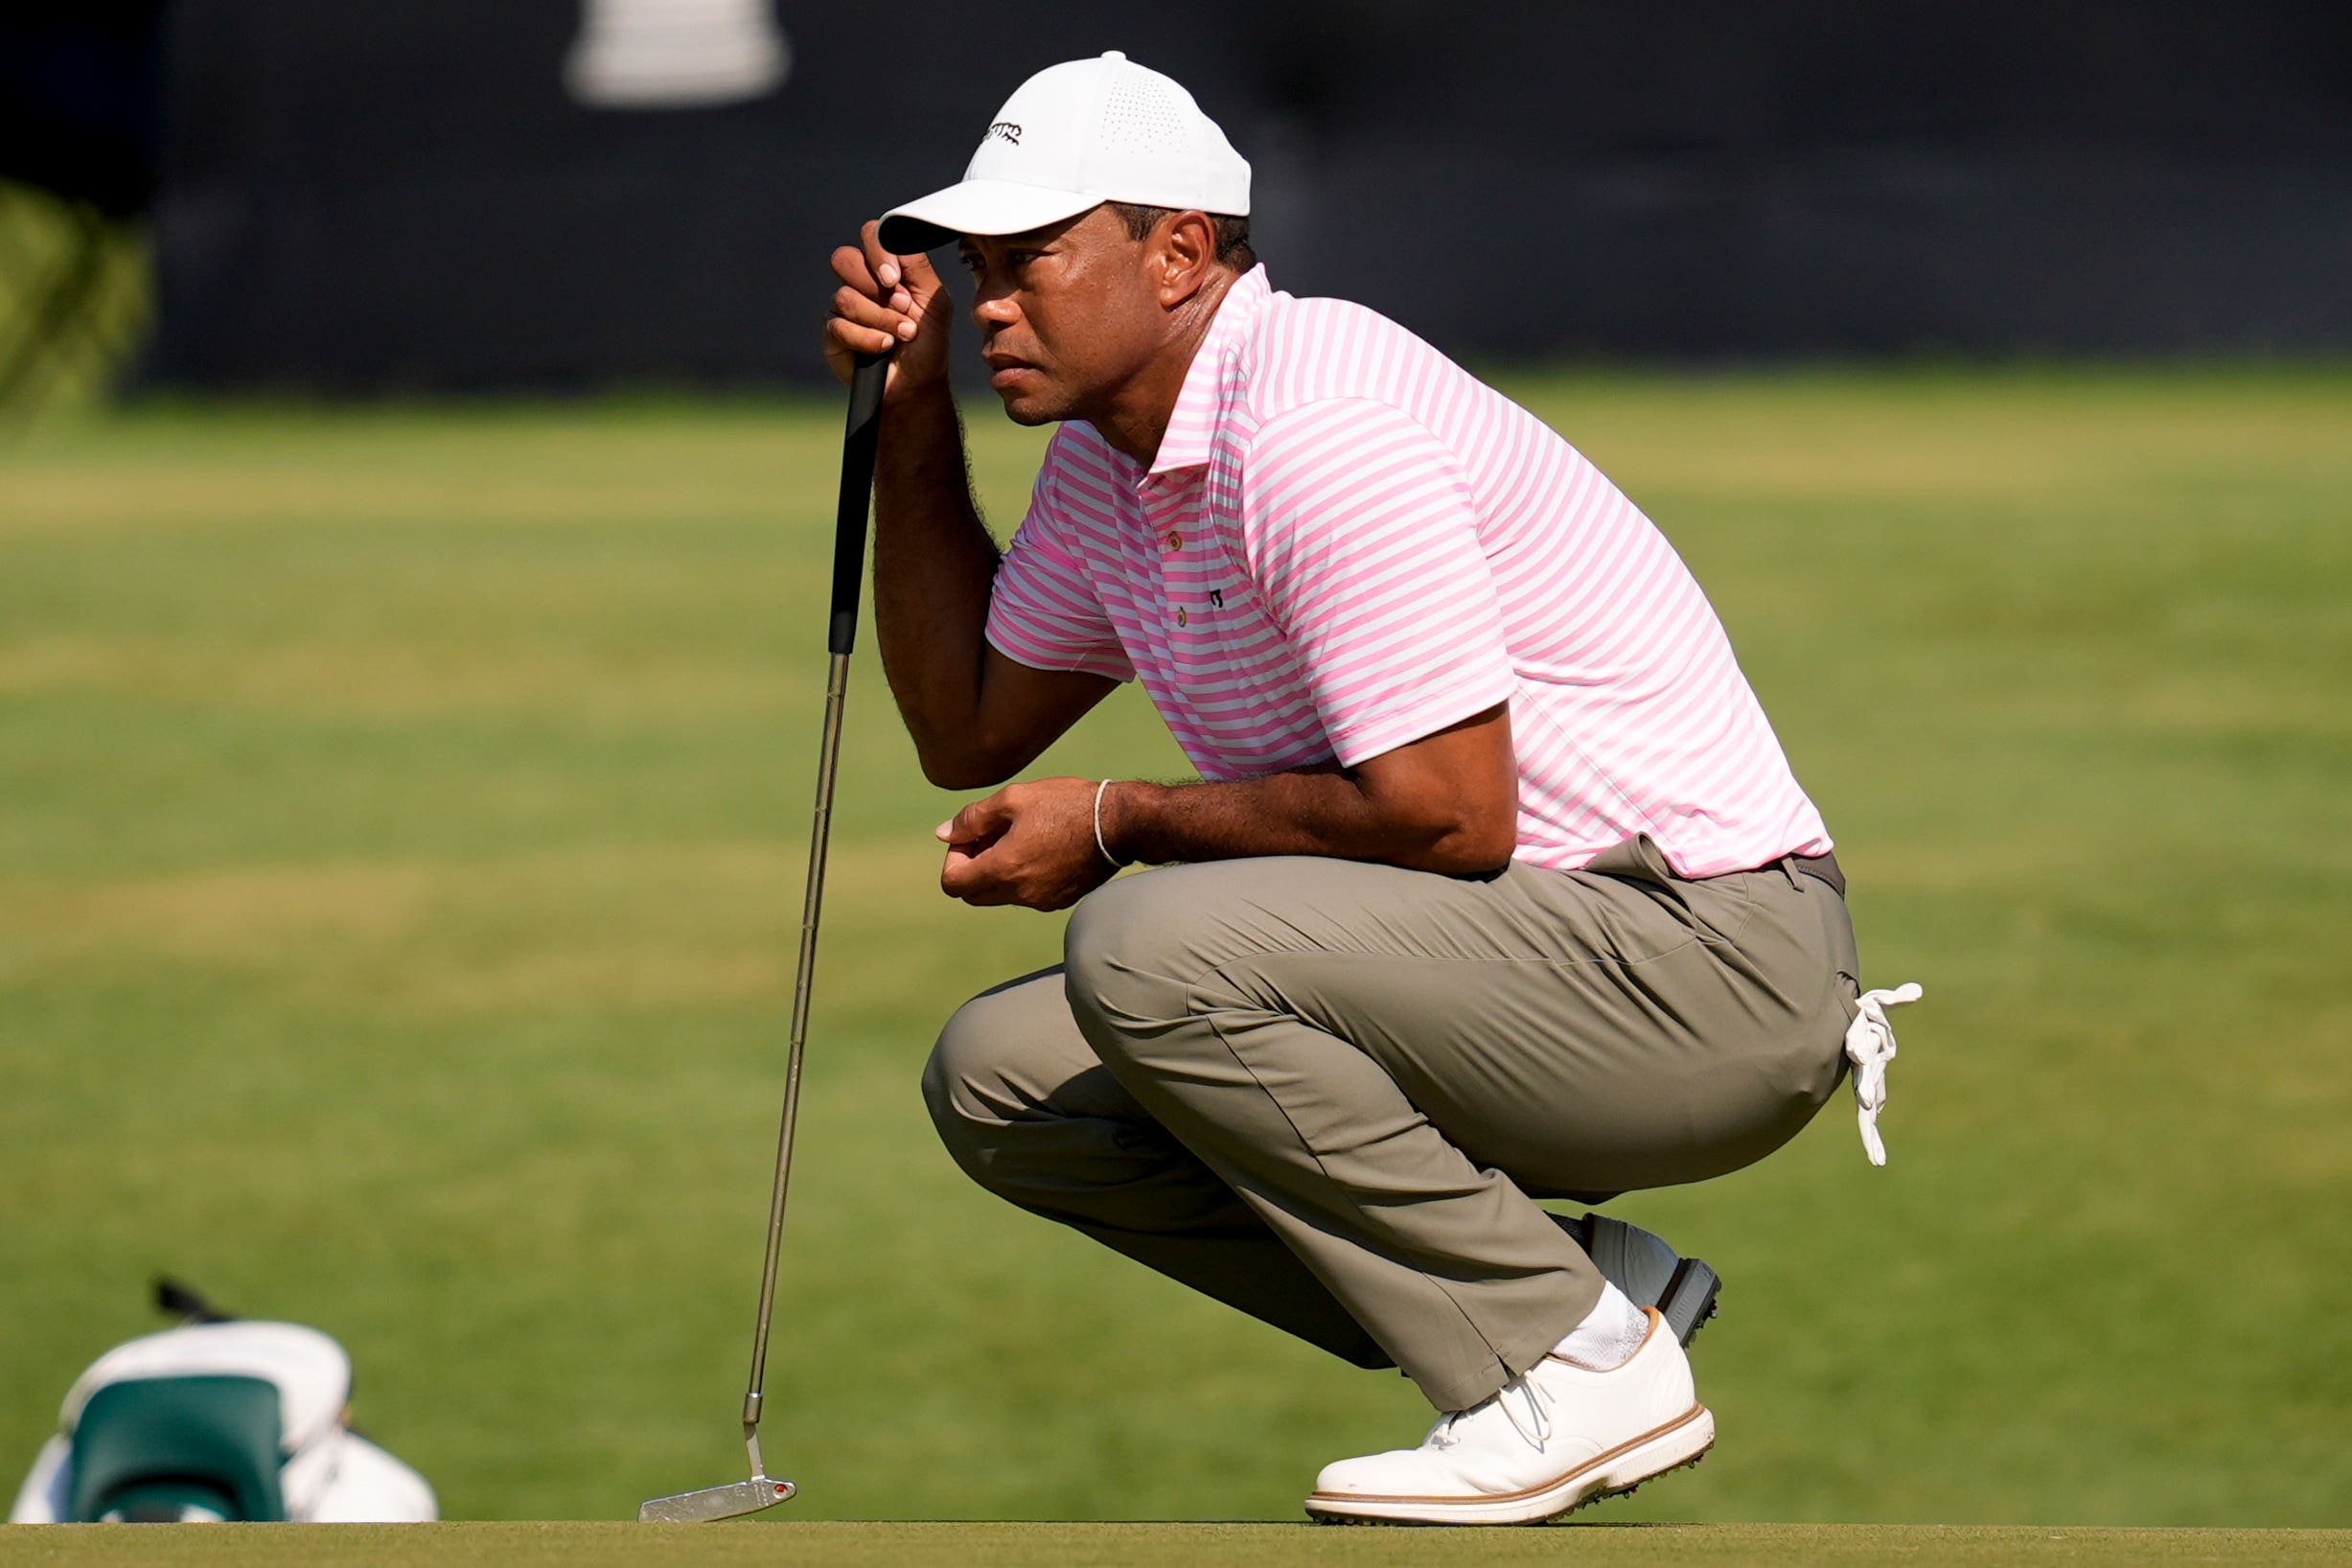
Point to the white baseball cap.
(1073, 136)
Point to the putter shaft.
(859, 445)
(763, 1490)
(828, 757)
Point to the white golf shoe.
(1555, 1438)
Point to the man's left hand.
(1031, 845)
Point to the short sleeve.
(1043, 609)
(1358, 529)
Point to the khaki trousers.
(1329, 1093)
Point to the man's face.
(1068, 314)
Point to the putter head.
(696, 1507)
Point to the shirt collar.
(1200, 406)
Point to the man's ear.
(1184, 249)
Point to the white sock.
(1609, 1334)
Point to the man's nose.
(994, 310)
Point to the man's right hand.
(885, 303)
(977, 717)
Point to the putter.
(764, 1490)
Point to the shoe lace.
(1536, 1427)
(1870, 1044)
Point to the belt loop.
(1788, 869)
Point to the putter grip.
(857, 494)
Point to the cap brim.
(978, 206)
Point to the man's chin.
(1030, 395)
(1030, 408)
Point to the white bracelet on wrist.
(1114, 860)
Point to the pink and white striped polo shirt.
(1347, 542)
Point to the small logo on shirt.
(1216, 597)
(1007, 129)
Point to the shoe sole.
(1688, 1303)
(1681, 1442)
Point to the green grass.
(1153, 1546)
(401, 829)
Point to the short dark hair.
(1232, 234)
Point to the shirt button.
(1175, 540)
(1182, 617)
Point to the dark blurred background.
(559, 194)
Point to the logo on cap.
(1007, 129)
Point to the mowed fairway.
(402, 821)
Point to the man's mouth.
(1004, 369)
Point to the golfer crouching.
(1495, 886)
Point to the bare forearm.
(1321, 811)
(933, 562)
(1448, 802)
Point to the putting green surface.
(402, 823)
(1150, 1546)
